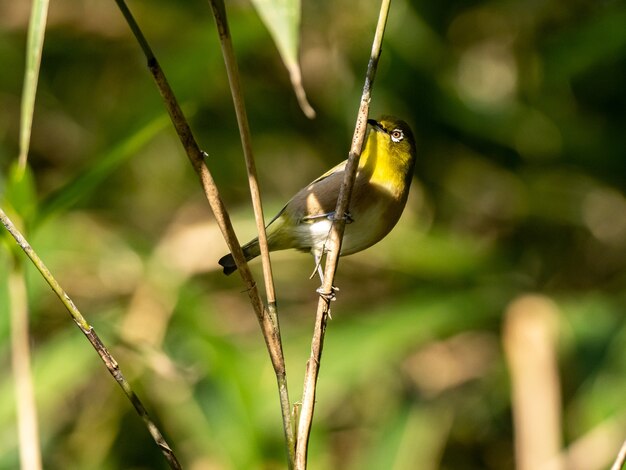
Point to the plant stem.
(30, 452)
(334, 248)
(109, 361)
(34, 48)
(219, 11)
(265, 316)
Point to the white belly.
(360, 233)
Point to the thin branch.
(89, 332)
(221, 20)
(266, 317)
(219, 11)
(30, 451)
(196, 158)
(334, 247)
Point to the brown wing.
(318, 199)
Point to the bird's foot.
(346, 216)
(328, 296)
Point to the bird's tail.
(250, 251)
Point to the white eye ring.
(396, 135)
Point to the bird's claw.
(346, 216)
(328, 296)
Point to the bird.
(379, 195)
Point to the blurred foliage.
(519, 109)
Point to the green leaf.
(36, 35)
(282, 19)
(88, 180)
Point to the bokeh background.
(494, 310)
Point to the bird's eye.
(396, 135)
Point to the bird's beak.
(376, 125)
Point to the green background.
(519, 113)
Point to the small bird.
(378, 198)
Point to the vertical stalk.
(334, 248)
(34, 48)
(221, 19)
(30, 451)
(265, 316)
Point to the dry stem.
(334, 247)
(30, 451)
(266, 316)
(219, 11)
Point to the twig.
(30, 451)
(620, 460)
(219, 11)
(265, 316)
(89, 332)
(221, 20)
(334, 247)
